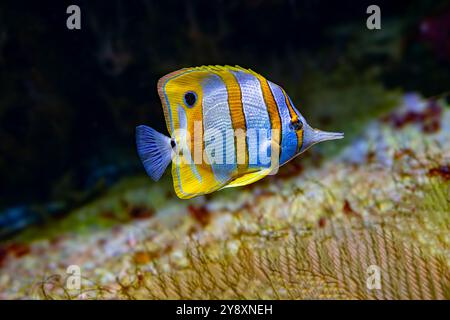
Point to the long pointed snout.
(320, 136)
(312, 136)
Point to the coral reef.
(312, 231)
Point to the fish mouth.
(313, 136)
(320, 136)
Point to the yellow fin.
(191, 180)
(216, 68)
(248, 178)
(252, 177)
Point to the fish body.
(228, 127)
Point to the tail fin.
(154, 149)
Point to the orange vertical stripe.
(294, 116)
(272, 109)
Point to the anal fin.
(248, 178)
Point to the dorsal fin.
(213, 68)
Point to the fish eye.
(296, 125)
(190, 98)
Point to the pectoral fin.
(154, 150)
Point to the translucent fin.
(248, 178)
(154, 149)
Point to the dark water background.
(70, 99)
